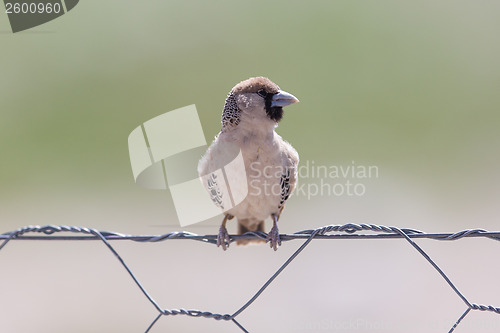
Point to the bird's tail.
(246, 226)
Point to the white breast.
(265, 160)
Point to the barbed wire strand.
(348, 231)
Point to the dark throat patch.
(274, 113)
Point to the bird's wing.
(214, 190)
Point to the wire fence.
(346, 231)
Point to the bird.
(251, 113)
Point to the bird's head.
(257, 100)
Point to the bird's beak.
(282, 98)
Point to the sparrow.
(250, 116)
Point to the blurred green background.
(412, 87)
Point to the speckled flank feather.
(286, 190)
(214, 191)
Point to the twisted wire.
(349, 231)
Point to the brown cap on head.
(255, 84)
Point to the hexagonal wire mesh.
(346, 231)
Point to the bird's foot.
(274, 238)
(223, 238)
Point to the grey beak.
(282, 98)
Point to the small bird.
(251, 113)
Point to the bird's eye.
(262, 93)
